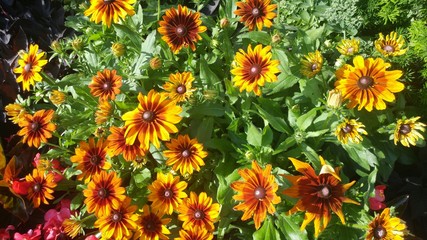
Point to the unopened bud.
(118, 49)
(223, 23)
(276, 38)
(155, 63)
(56, 46)
(334, 99)
(77, 44)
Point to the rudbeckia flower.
(109, 11)
(385, 227)
(195, 233)
(106, 85)
(408, 131)
(198, 211)
(30, 64)
(179, 86)
(350, 130)
(256, 13)
(40, 187)
(37, 128)
(117, 145)
(391, 45)
(311, 64)
(348, 47)
(151, 225)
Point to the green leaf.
(361, 156)
(207, 109)
(124, 32)
(260, 37)
(254, 136)
(143, 178)
(77, 201)
(225, 192)
(205, 129)
(316, 133)
(314, 34)
(206, 74)
(290, 229)
(273, 116)
(305, 120)
(285, 145)
(267, 231)
(267, 136)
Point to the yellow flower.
(73, 227)
(385, 227)
(195, 233)
(57, 97)
(256, 13)
(407, 131)
(30, 64)
(118, 49)
(350, 130)
(117, 145)
(37, 128)
(391, 45)
(40, 187)
(109, 11)
(151, 226)
(106, 85)
(198, 211)
(179, 86)
(103, 113)
(15, 112)
(155, 63)
(311, 64)
(348, 47)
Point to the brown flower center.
(95, 159)
(108, 1)
(388, 48)
(314, 67)
(259, 193)
(324, 191)
(255, 12)
(186, 153)
(365, 82)
(347, 128)
(102, 193)
(199, 214)
(116, 217)
(168, 193)
(255, 70)
(380, 232)
(149, 226)
(35, 126)
(37, 187)
(181, 31)
(404, 129)
(27, 67)
(106, 86)
(181, 89)
(148, 116)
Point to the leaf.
(254, 136)
(267, 231)
(143, 178)
(206, 74)
(205, 129)
(285, 145)
(207, 109)
(289, 228)
(225, 192)
(361, 156)
(267, 136)
(77, 201)
(273, 116)
(123, 31)
(305, 120)
(260, 37)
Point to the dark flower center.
(108, 1)
(168, 193)
(102, 193)
(181, 89)
(314, 67)
(116, 217)
(365, 82)
(148, 116)
(388, 48)
(259, 193)
(347, 128)
(255, 69)
(106, 86)
(181, 31)
(27, 67)
(255, 12)
(380, 232)
(149, 226)
(35, 126)
(95, 159)
(37, 187)
(186, 153)
(404, 129)
(199, 214)
(324, 191)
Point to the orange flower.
(258, 193)
(184, 154)
(151, 226)
(30, 64)
(318, 194)
(179, 86)
(181, 28)
(37, 128)
(106, 85)
(166, 193)
(109, 11)
(194, 234)
(154, 118)
(40, 187)
(385, 227)
(198, 211)
(256, 13)
(91, 158)
(117, 145)
(103, 113)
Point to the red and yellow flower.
(385, 227)
(198, 211)
(151, 225)
(391, 45)
(40, 187)
(30, 64)
(256, 13)
(37, 128)
(106, 85)
(109, 11)
(117, 145)
(15, 112)
(194, 234)
(179, 86)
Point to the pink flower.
(35, 234)
(91, 237)
(53, 220)
(376, 202)
(20, 186)
(5, 232)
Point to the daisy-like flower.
(407, 131)
(153, 119)
(180, 28)
(119, 223)
(311, 64)
(185, 154)
(73, 226)
(368, 83)
(258, 193)
(194, 234)
(167, 193)
(385, 227)
(198, 211)
(151, 225)
(57, 97)
(318, 194)
(254, 68)
(109, 11)
(103, 113)
(256, 13)
(117, 145)
(391, 45)
(350, 130)
(15, 112)
(30, 64)
(91, 158)
(106, 85)
(40, 187)
(37, 128)
(104, 193)
(179, 86)
(348, 47)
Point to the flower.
(185, 154)
(91, 158)
(106, 85)
(348, 47)
(103, 113)
(110, 10)
(118, 49)
(166, 193)
(52, 228)
(181, 28)
(41, 187)
(318, 194)
(198, 211)
(57, 97)
(195, 233)
(385, 227)
(376, 202)
(104, 193)
(224, 22)
(117, 223)
(391, 46)
(151, 226)
(32, 234)
(256, 13)
(407, 131)
(334, 100)
(154, 118)
(77, 44)
(350, 130)
(258, 193)
(155, 63)
(37, 128)
(15, 112)
(368, 83)
(179, 86)
(73, 226)
(117, 145)
(311, 64)
(30, 64)
(254, 68)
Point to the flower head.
(57, 97)
(185, 154)
(118, 49)
(256, 13)
(198, 211)
(311, 64)
(368, 83)
(258, 193)
(30, 64)
(180, 28)
(109, 11)
(350, 130)
(103, 113)
(391, 45)
(195, 233)
(179, 86)
(348, 47)
(151, 226)
(334, 100)
(167, 193)
(40, 187)
(37, 128)
(407, 131)
(15, 112)
(153, 119)
(117, 145)
(155, 63)
(106, 85)
(73, 226)
(318, 194)
(254, 68)
(385, 227)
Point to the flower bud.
(334, 99)
(118, 49)
(77, 44)
(155, 63)
(223, 23)
(56, 46)
(57, 97)
(276, 38)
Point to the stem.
(158, 10)
(57, 146)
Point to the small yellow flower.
(391, 45)
(73, 227)
(311, 64)
(15, 112)
(103, 112)
(57, 97)
(30, 66)
(385, 227)
(350, 130)
(407, 131)
(348, 47)
(118, 49)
